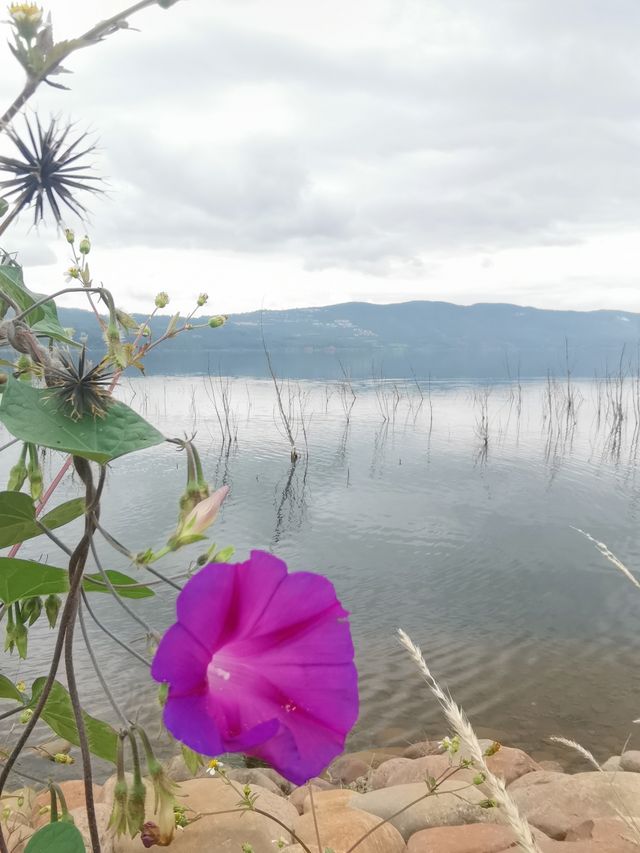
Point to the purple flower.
(260, 661)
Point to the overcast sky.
(280, 153)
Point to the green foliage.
(58, 715)
(4, 206)
(33, 415)
(18, 517)
(60, 837)
(193, 760)
(44, 319)
(21, 579)
(8, 690)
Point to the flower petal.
(181, 660)
(205, 603)
(189, 720)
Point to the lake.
(453, 518)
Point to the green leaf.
(34, 415)
(95, 583)
(4, 206)
(60, 837)
(18, 517)
(193, 760)
(58, 715)
(8, 690)
(24, 578)
(64, 513)
(44, 319)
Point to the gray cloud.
(448, 127)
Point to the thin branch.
(111, 635)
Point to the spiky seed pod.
(50, 170)
(81, 387)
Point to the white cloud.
(298, 154)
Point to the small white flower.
(214, 766)
(279, 842)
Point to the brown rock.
(298, 797)
(339, 798)
(630, 761)
(340, 827)
(559, 804)
(402, 771)
(103, 813)
(473, 838)
(222, 833)
(350, 766)
(604, 829)
(73, 791)
(552, 766)
(423, 748)
(510, 764)
(445, 809)
(537, 777)
(253, 776)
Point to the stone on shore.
(348, 767)
(556, 805)
(630, 761)
(445, 809)
(300, 796)
(473, 838)
(224, 833)
(340, 827)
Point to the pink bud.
(204, 513)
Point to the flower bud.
(70, 235)
(25, 716)
(21, 639)
(18, 473)
(31, 609)
(150, 835)
(63, 758)
(216, 322)
(51, 608)
(199, 519)
(26, 18)
(203, 299)
(162, 299)
(72, 272)
(85, 245)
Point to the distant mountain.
(483, 341)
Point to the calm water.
(467, 545)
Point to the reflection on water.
(447, 510)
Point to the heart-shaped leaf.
(35, 415)
(25, 578)
(8, 690)
(18, 517)
(43, 319)
(59, 837)
(58, 715)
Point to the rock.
(612, 764)
(284, 784)
(348, 767)
(49, 748)
(251, 776)
(603, 829)
(177, 769)
(16, 834)
(445, 809)
(73, 790)
(339, 798)
(297, 798)
(224, 833)
(473, 838)
(341, 827)
(537, 777)
(558, 804)
(510, 764)
(103, 813)
(402, 771)
(630, 761)
(423, 748)
(552, 766)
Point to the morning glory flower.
(260, 661)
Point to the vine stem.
(77, 561)
(92, 36)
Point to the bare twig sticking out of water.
(610, 556)
(218, 390)
(286, 418)
(347, 394)
(481, 399)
